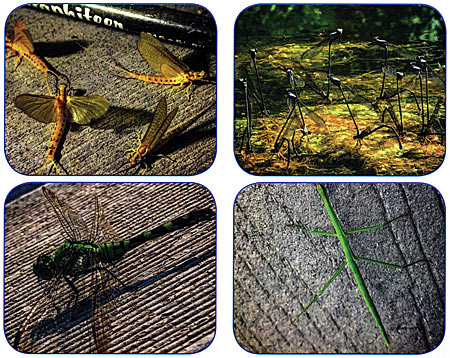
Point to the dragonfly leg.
(321, 291)
(76, 293)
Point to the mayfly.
(351, 260)
(88, 253)
(156, 135)
(174, 71)
(21, 45)
(61, 109)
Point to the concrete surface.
(100, 148)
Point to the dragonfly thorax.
(72, 258)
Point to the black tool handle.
(165, 23)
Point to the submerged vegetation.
(383, 105)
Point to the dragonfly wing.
(72, 223)
(315, 117)
(102, 307)
(83, 109)
(108, 233)
(159, 57)
(25, 337)
(105, 291)
(40, 108)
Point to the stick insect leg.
(313, 231)
(321, 291)
(398, 267)
(379, 226)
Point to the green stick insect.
(351, 260)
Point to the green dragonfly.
(86, 253)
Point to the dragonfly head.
(44, 267)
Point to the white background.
(225, 178)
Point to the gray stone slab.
(279, 269)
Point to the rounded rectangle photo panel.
(339, 268)
(110, 268)
(110, 89)
(339, 90)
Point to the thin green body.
(350, 258)
(88, 253)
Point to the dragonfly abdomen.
(168, 227)
(112, 251)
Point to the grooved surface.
(100, 148)
(278, 269)
(170, 307)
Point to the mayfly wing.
(83, 109)
(159, 125)
(40, 108)
(159, 57)
(72, 223)
(23, 36)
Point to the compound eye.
(44, 267)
